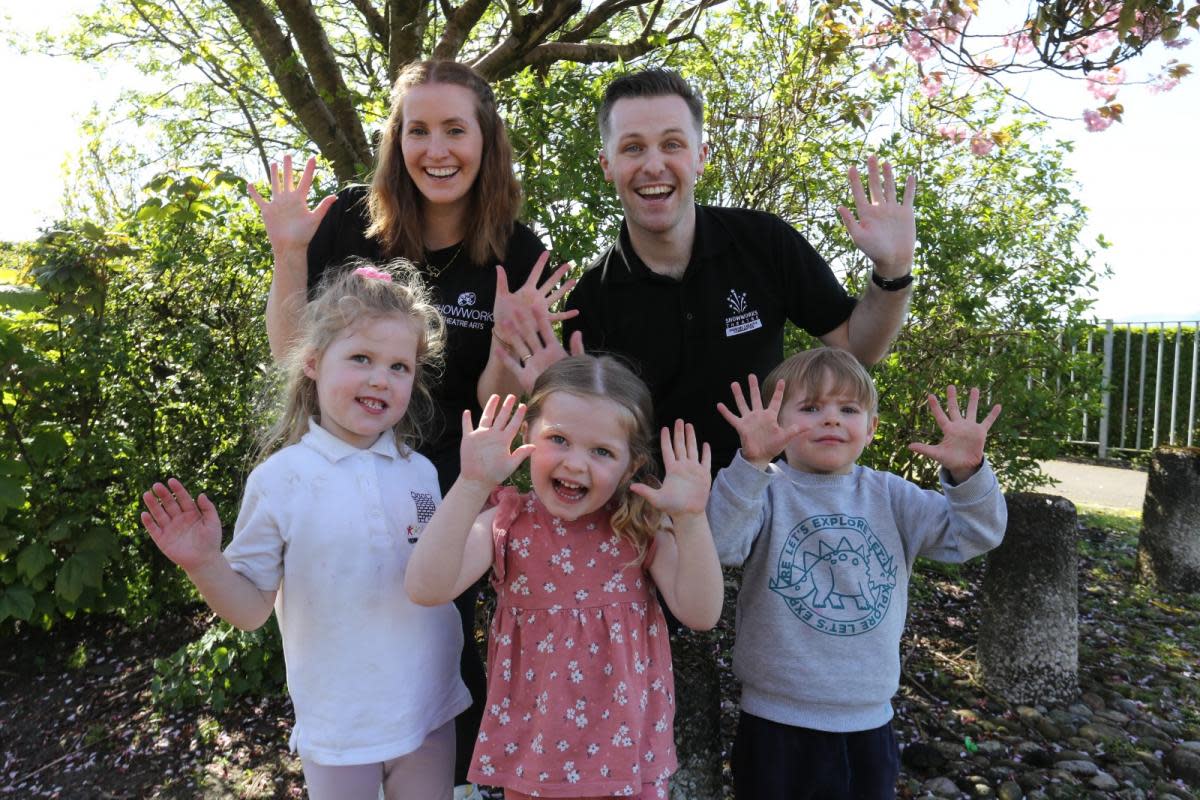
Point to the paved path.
(1087, 484)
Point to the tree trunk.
(1029, 634)
(1169, 546)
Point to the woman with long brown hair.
(443, 196)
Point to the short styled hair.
(810, 371)
(650, 83)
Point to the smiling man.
(697, 296)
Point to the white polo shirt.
(331, 526)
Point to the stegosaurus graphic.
(841, 590)
(833, 574)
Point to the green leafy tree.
(128, 355)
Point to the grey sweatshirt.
(824, 594)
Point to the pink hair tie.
(373, 274)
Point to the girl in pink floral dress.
(581, 698)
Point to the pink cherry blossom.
(982, 144)
(1104, 85)
(1164, 83)
(931, 85)
(1095, 121)
(952, 133)
(1175, 44)
(918, 47)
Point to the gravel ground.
(77, 720)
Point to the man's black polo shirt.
(689, 339)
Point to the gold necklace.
(435, 272)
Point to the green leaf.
(22, 298)
(33, 559)
(16, 602)
(80, 570)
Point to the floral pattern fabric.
(581, 698)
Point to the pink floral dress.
(580, 699)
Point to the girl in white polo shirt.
(326, 528)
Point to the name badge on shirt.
(425, 505)
(742, 318)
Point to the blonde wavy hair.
(394, 202)
(344, 300)
(633, 519)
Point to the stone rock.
(922, 757)
(1169, 544)
(1115, 717)
(1098, 732)
(992, 748)
(1142, 729)
(1047, 728)
(1168, 789)
(697, 716)
(1093, 701)
(1078, 768)
(982, 790)
(1031, 780)
(941, 787)
(1071, 755)
(1081, 710)
(1039, 757)
(1010, 790)
(1103, 782)
(1126, 706)
(1184, 764)
(1032, 575)
(1193, 746)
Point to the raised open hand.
(534, 352)
(886, 229)
(286, 216)
(187, 531)
(532, 303)
(487, 455)
(758, 428)
(688, 475)
(961, 448)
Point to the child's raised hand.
(187, 531)
(486, 452)
(688, 476)
(961, 448)
(758, 428)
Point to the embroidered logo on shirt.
(742, 319)
(466, 299)
(425, 507)
(835, 575)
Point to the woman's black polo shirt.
(689, 339)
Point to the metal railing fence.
(1144, 400)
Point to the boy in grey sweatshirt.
(828, 547)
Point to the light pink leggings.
(426, 773)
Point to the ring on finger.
(525, 358)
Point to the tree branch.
(458, 27)
(407, 20)
(376, 23)
(284, 65)
(327, 75)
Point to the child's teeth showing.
(568, 490)
(372, 403)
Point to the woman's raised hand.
(487, 455)
(187, 531)
(289, 222)
(687, 473)
(532, 303)
(532, 353)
